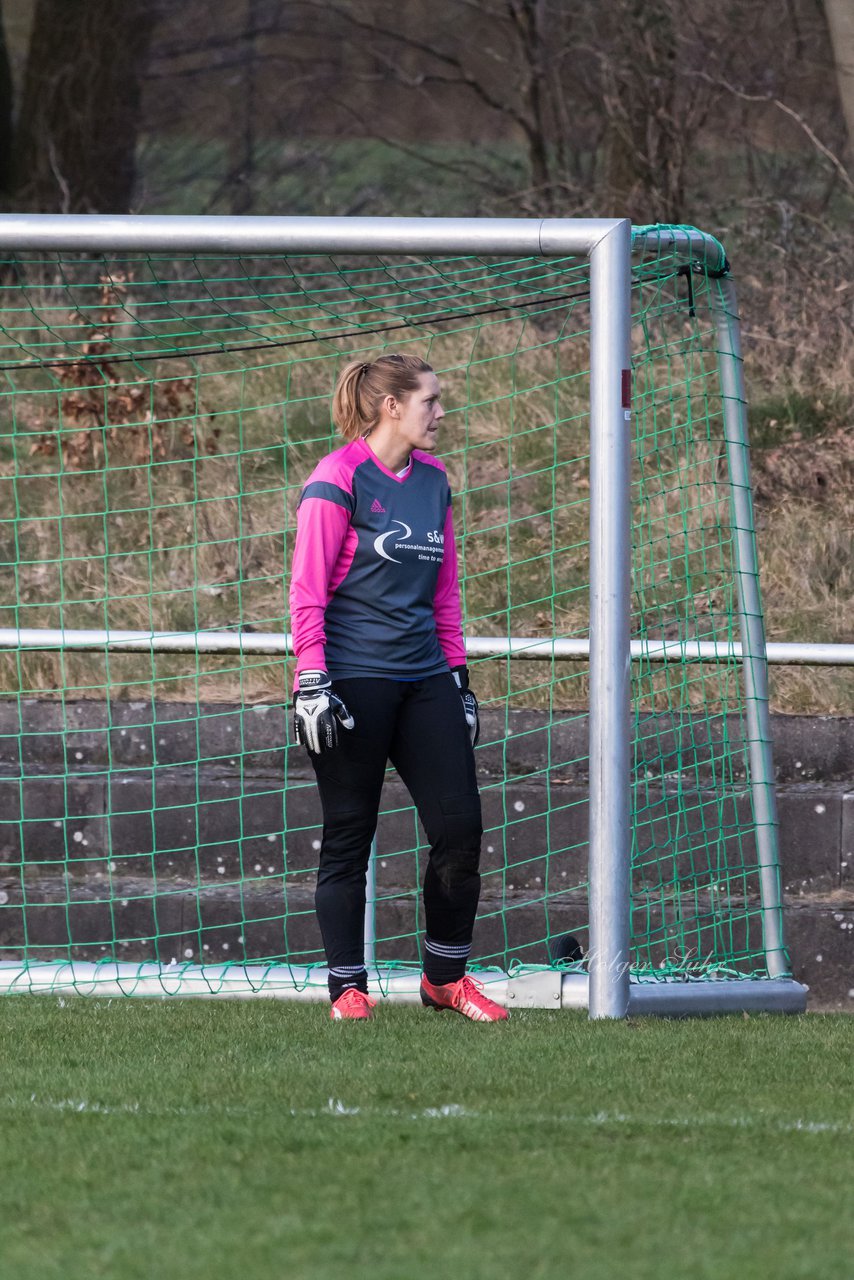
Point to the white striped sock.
(448, 950)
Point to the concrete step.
(166, 808)
(57, 919)
(216, 823)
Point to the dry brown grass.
(166, 501)
(805, 506)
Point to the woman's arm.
(321, 529)
(447, 609)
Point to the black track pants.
(420, 726)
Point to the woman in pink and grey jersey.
(381, 674)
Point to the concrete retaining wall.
(112, 816)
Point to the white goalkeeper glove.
(318, 712)
(461, 676)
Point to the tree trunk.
(649, 130)
(79, 116)
(242, 142)
(840, 22)
(528, 18)
(6, 112)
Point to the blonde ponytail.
(363, 385)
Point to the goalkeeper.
(381, 674)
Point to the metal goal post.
(607, 988)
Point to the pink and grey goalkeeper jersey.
(374, 580)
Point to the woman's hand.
(318, 712)
(470, 707)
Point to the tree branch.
(410, 42)
(486, 178)
(770, 100)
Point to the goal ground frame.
(608, 991)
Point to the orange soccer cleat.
(352, 1004)
(464, 996)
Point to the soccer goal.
(166, 392)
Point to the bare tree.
(79, 112)
(243, 148)
(530, 105)
(560, 108)
(6, 111)
(643, 52)
(470, 61)
(601, 97)
(235, 100)
(840, 23)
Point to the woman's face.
(419, 414)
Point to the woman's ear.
(391, 406)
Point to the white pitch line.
(336, 1108)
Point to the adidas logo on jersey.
(377, 507)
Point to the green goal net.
(159, 415)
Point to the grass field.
(261, 1141)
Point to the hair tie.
(364, 369)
